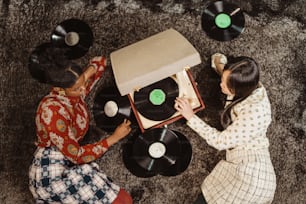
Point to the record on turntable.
(222, 21)
(152, 73)
(75, 35)
(156, 101)
(110, 109)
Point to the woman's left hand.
(94, 65)
(183, 106)
(98, 61)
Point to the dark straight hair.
(242, 81)
(49, 64)
(65, 78)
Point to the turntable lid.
(152, 59)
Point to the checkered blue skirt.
(54, 179)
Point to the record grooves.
(156, 101)
(222, 21)
(157, 151)
(110, 109)
(184, 157)
(164, 140)
(75, 36)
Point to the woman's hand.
(183, 106)
(94, 65)
(98, 61)
(121, 131)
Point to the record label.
(157, 150)
(157, 97)
(222, 21)
(111, 108)
(72, 39)
(75, 35)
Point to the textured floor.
(275, 36)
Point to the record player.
(153, 72)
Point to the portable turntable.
(153, 72)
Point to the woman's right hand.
(94, 65)
(183, 106)
(123, 129)
(98, 61)
(120, 132)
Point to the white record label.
(111, 108)
(157, 150)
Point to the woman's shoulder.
(259, 95)
(258, 99)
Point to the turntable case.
(153, 59)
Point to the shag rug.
(274, 36)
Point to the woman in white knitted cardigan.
(247, 175)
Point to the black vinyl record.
(183, 157)
(130, 162)
(156, 150)
(222, 21)
(156, 101)
(110, 109)
(75, 35)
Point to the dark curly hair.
(242, 81)
(49, 64)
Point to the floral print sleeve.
(99, 67)
(55, 126)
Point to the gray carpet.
(275, 36)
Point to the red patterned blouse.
(62, 121)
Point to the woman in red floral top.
(63, 171)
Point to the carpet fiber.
(274, 36)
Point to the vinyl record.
(129, 161)
(110, 109)
(222, 21)
(74, 35)
(183, 157)
(156, 150)
(156, 101)
(35, 65)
